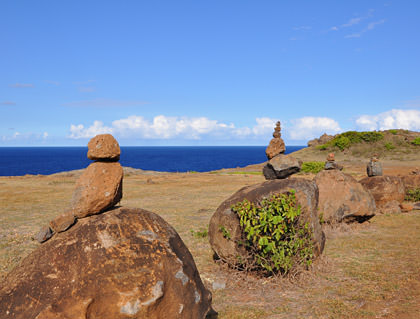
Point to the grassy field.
(370, 270)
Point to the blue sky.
(205, 72)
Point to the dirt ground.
(368, 270)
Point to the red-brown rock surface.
(275, 147)
(103, 147)
(342, 198)
(411, 181)
(281, 166)
(98, 188)
(125, 263)
(228, 248)
(385, 189)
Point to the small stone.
(374, 168)
(332, 165)
(331, 157)
(44, 234)
(405, 207)
(217, 285)
(103, 147)
(63, 222)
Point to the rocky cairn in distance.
(374, 167)
(324, 138)
(331, 163)
(279, 166)
(276, 145)
(125, 263)
(98, 189)
(224, 220)
(388, 192)
(342, 198)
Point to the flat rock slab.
(125, 263)
(104, 147)
(98, 189)
(228, 248)
(281, 166)
(343, 198)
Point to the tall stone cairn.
(98, 189)
(276, 145)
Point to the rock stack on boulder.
(113, 263)
(331, 163)
(374, 167)
(279, 166)
(98, 189)
(276, 145)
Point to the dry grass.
(367, 271)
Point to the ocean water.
(17, 161)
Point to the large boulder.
(385, 189)
(374, 168)
(281, 166)
(275, 147)
(98, 189)
(342, 198)
(125, 263)
(103, 147)
(225, 220)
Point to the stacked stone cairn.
(279, 166)
(331, 164)
(374, 167)
(98, 189)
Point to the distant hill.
(394, 144)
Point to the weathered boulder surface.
(103, 147)
(321, 140)
(99, 188)
(411, 181)
(306, 196)
(384, 189)
(281, 166)
(62, 222)
(342, 198)
(275, 147)
(330, 165)
(125, 263)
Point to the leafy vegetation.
(413, 195)
(345, 140)
(389, 146)
(393, 131)
(312, 167)
(416, 141)
(276, 239)
(201, 233)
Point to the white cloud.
(369, 27)
(165, 127)
(309, 127)
(352, 22)
(393, 119)
(334, 28)
(24, 137)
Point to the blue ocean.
(17, 161)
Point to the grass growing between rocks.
(367, 271)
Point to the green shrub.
(202, 233)
(312, 167)
(346, 139)
(416, 141)
(413, 195)
(342, 142)
(322, 147)
(371, 137)
(389, 146)
(275, 238)
(394, 132)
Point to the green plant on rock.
(274, 236)
(389, 146)
(413, 195)
(201, 233)
(393, 131)
(312, 167)
(416, 141)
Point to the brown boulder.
(98, 189)
(228, 249)
(62, 222)
(342, 198)
(384, 189)
(281, 166)
(411, 181)
(275, 147)
(103, 147)
(125, 263)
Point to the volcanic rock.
(99, 188)
(63, 222)
(44, 234)
(342, 198)
(228, 249)
(374, 167)
(411, 181)
(391, 207)
(325, 138)
(281, 166)
(276, 145)
(125, 263)
(384, 189)
(103, 147)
